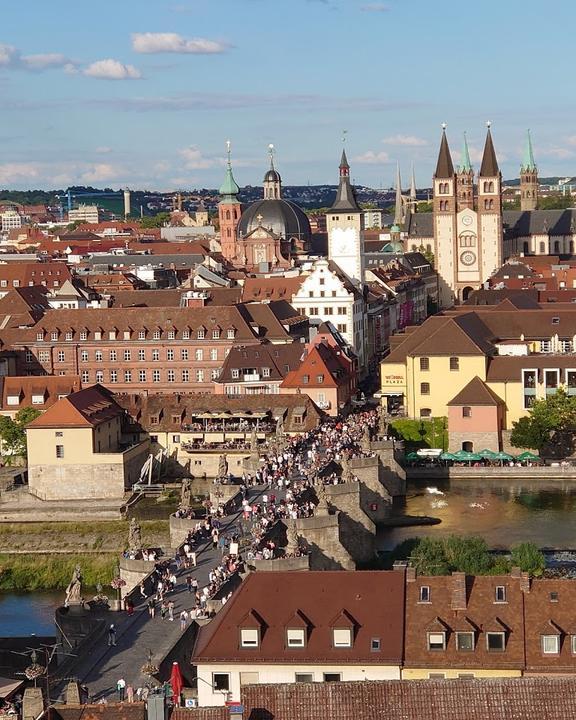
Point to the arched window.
(486, 205)
(571, 247)
(491, 187)
(525, 247)
(228, 232)
(468, 446)
(227, 214)
(542, 248)
(557, 246)
(485, 187)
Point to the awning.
(8, 686)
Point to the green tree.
(424, 206)
(429, 557)
(468, 554)
(529, 558)
(550, 422)
(155, 221)
(13, 433)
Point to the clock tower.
(344, 223)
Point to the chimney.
(523, 577)
(410, 574)
(458, 599)
(400, 566)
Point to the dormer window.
(216, 334)
(495, 641)
(69, 335)
(141, 334)
(112, 335)
(186, 334)
(13, 400)
(342, 637)
(83, 335)
(437, 641)
(465, 641)
(171, 334)
(54, 335)
(157, 335)
(295, 637)
(39, 336)
(201, 334)
(550, 644)
(230, 333)
(249, 637)
(98, 335)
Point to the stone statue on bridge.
(134, 536)
(253, 441)
(186, 493)
(382, 421)
(222, 467)
(365, 442)
(347, 475)
(320, 489)
(292, 546)
(74, 589)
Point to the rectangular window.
(454, 363)
(60, 451)
(98, 335)
(201, 334)
(127, 376)
(266, 372)
(99, 376)
(343, 328)
(39, 336)
(235, 373)
(185, 375)
(169, 354)
(54, 335)
(425, 388)
(199, 355)
(424, 596)
(341, 311)
(465, 641)
(155, 354)
(98, 356)
(186, 334)
(319, 379)
(171, 376)
(141, 334)
(230, 334)
(155, 376)
(127, 355)
(550, 644)
(141, 355)
(61, 356)
(437, 641)
(216, 334)
(213, 354)
(305, 379)
(436, 676)
(221, 681)
(156, 335)
(176, 439)
(214, 374)
(495, 641)
(295, 638)
(332, 677)
(83, 335)
(500, 594)
(69, 335)
(199, 376)
(126, 335)
(303, 677)
(142, 376)
(113, 356)
(29, 356)
(573, 644)
(424, 364)
(467, 412)
(112, 335)
(184, 354)
(375, 645)
(342, 637)
(171, 334)
(249, 637)
(85, 376)
(113, 376)
(44, 356)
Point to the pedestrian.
(120, 689)
(129, 606)
(183, 620)
(163, 609)
(130, 693)
(138, 694)
(194, 585)
(143, 591)
(151, 607)
(171, 610)
(189, 583)
(112, 635)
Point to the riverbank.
(78, 537)
(35, 572)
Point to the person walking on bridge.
(112, 636)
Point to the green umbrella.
(503, 456)
(447, 456)
(488, 454)
(525, 456)
(412, 456)
(465, 456)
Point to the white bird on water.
(477, 505)
(434, 491)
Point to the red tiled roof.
(374, 601)
(85, 408)
(48, 386)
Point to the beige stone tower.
(489, 211)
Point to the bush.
(53, 572)
(528, 558)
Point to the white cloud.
(101, 172)
(372, 158)
(44, 61)
(194, 160)
(175, 43)
(110, 69)
(557, 152)
(408, 140)
(8, 55)
(374, 7)
(103, 150)
(19, 172)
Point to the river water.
(502, 512)
(28, 613)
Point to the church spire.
(398, 214)
(465, 165)
(345, 199)
(272, 179)
(528, 163)
(444, 166)
(489, 167)
(413, 186)
(229, 189)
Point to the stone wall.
(133, 572)
(375, 500)
(356, 529)
(200, 463)
(322, 535)
(391, 473)
(480, 440)
(292, 564)
(179, 529)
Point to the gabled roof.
(86, 408)
(50, 387)
(476, 392)
(322, 360)
(374, 600)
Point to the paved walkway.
(139, 634)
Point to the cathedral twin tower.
(468, 232)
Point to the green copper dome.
(229, 189)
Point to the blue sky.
(146, 92)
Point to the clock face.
(467, 220)
(468, 258)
